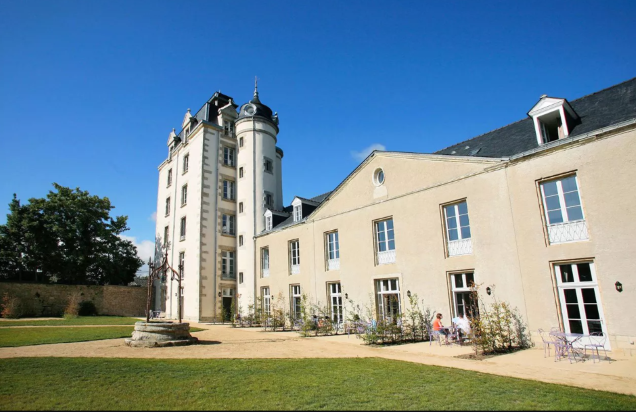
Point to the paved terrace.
(223, 341)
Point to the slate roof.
(604, 108)
(289, 209)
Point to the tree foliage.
(68, 237)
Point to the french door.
(580, 299)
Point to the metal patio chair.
(596, 341)
(547, 341)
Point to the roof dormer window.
(268, 220)
(553, 119)
(298, 210)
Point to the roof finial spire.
(256, 87)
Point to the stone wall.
(50, 300)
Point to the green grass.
(81, 320)
(277, 384)
(40, 336)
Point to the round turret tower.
(259, 186)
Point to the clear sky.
(89, 90)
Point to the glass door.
(580, 299)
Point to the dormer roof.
(549, 104)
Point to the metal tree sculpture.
(160, 271)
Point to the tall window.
(296, 300)
(240, 207)
(458, 229)
(229, 156)
(461, 286)
(228, 224)
(268, 165)
(186, 161)
(388, 298)
(579, 298)
(241, 141)
(169, 177)
(183, 228)
(168, 206)
(266, 299)
(184, 195)
(228, 189)
(333, 251)
(182, 264)
(240, 279)
(240, 172)
(240, 240)
(563, 211)
(268, 223)
(227, 265)
(294, 256)
(166, 234)
(335, 302)
(298, 213)
(269, 200)
(264, 262)
(385, 241)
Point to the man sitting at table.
(439, 328)
(464, 326)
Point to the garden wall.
(50, 300)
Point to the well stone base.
(160, 334)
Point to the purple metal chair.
(547, 341)
(596, 342)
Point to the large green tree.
(68, 237)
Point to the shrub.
(73, 305)
(87, 308)
(11, 307)
(497, 327)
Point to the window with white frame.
(267, 302)
(462, 285)
(385, 241)
(169, 177)
(333, 250)
(186, 162)
(182, 264)
(298, 213)
(563, 210)
(184, 195)
(294, 256)
(458, 234)
(579, 298)
(227, 265)
(388, 298)
(228, 225)
(335, 302)
(296, 301)
(264, 262)
(167, 206)
(229, 156)
(268, 165)
(268, 222)
(183, 228)
(228, 189)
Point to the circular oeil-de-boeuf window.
(378, 177)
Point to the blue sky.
(89, 90)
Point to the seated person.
(439, 328)
(464, 325)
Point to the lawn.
(81, 320)
(275, 384)
(40, 336)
